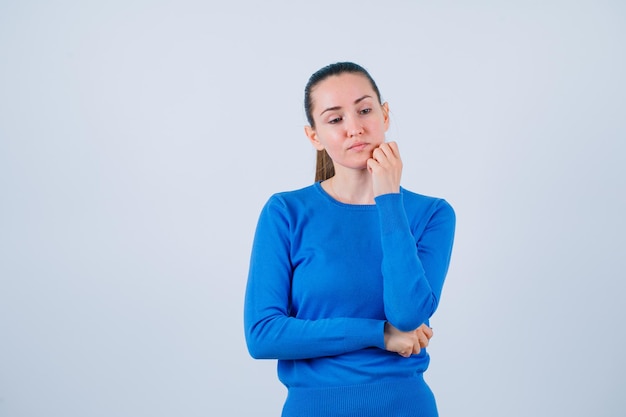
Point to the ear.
(385, 107)
(312, 135)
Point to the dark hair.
(324, 166)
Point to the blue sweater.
(325, 277)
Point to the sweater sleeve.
(271, 332)
(415, 262)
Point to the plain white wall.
(139, 140)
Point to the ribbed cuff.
(363, 333)
(391, 213)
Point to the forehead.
(337, 89)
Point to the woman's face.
(349, 121)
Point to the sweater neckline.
(318, 187)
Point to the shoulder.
(289, 203)
(421, 205)
(293, 197)
(415, 199)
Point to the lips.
(357, 146)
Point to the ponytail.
(324, 168)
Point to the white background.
(139, 140)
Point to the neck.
(354, 187)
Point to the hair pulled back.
(324, 168)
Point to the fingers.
(372, 165)
(379, 154)
(428, 331)
(390, 149)
(386, 153)
(385, 166)
(414, 343)
(406, 353)
(422, 339)
(420, 343)
(402, 343)
(409, 343)
(394, 148)
(407, 349)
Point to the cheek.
(331, 138)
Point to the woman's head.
(328, 71)
(337, 99)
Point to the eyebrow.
(357, 101)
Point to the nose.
(353, 127)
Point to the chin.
(357, 166)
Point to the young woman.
(345, 273)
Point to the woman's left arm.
(415, 262)
(414, 267)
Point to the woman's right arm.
(271, 331)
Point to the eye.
(335, 120)
(365, 111)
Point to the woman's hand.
(385, 166)
(407, 343)
(424, 334)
